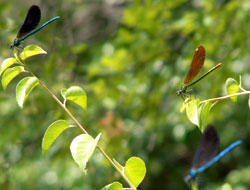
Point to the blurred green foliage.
(130, 57)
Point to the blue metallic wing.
(206, 155)
(208, 148)
(31, 21)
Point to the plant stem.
(77, 123)
(194, 186)
(63, 106)
(225, 97)
(111, 161)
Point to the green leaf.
(7, 63)
(10, 74)
(82, 147)
(30, 51)
(118, 164)
(75, 94)
(232, 87)
(24, 87)
(204, 109)
(183, 107)
(135, 170)
(192, 111)
(113, 186)
(52, 132)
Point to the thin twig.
(225, 97)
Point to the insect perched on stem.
(30, 23)
(194, 70)
(206, 155)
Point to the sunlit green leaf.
(52, 132)
(135, 170)
(192, 111)
(7, 63)
(226, 186)
(113, 186)
(232, 87)
(30, 51)
(204, 109)
(75, 94)
(24, 87)
(82, 147)
(10, 74)
(183, 107)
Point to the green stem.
(56, 99)
(111, 161)
(194, 186)
(225, 97)
(76, 121)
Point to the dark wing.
(31, 21)
(196, 65)
(208, 148)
